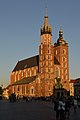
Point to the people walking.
(75, 104)
(56, 104)
(61, 109)
(67, 108)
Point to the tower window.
(64, 51)
(57, 72)
(56, 52)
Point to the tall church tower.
(46, 59)
(61, 54)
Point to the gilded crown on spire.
(46, 28)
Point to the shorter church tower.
(61, 54)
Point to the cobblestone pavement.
(31, 110)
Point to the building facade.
(36, 76)
(75, 87)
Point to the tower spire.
(46, 28)
(46, 10)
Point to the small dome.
(61, 33)
(61, 40)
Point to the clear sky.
(20, 23)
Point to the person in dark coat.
(67, 107)
(56, 103)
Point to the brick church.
(35, 76)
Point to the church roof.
(30, 62)
(27, 63)
(25, 80)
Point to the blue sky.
(20, 23)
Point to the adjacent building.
(75, 87)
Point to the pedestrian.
(75, 104)
(67, 107)
(61, 108)
(56, 104)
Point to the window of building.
(34, 72)
(26, 89)
(56, 52)
(41, 46)
(26, 74)
(23, 89)
(63, 59)
(64, 51)
(57, 71)
(46, 63)
(46, 69)
(30, 72)
(41, 51)
(32, 90)
(18, 89)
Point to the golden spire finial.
(61, 33)
(46, 10)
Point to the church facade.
(36, 76)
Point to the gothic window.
(64, 51)
(15, 77)
(18, 89)
(13, 89)
(18, 76)
(26, 89)
(23, 89)
(51, 63)
(49, 88)
(51, 57)
(46, 56)
(46, 63)
(41, 46)
(26, 74)
(41, 51)
(63, 59)
(30, 72)
(41, 70)
(32, 90)
(38, 80)
(51, 70)
(66, 77)
(62, 76)
(57, 72)
(46, 69)
(56, 52)
(34, 72)
(49, 51)
(22, 73)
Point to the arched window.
(64, 51)
(32, 91)
(57, 72)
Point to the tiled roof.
(25, 80)
(30, 62)
(74, 81)
(27, 63)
